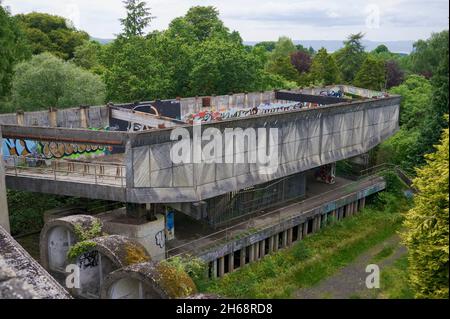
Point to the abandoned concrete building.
(227, 213)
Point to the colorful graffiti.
(208, 116)
(51, 150)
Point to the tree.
(50, 33)
(371, 75)
(427, 54)
(394, 74)
(267, 45)
(222, 67)
(12, 49)
(302, 61)
(137, 19)
(88, 56)
(324, 69)
(46, 81)
(427, 226)
(279, 61)
(350, 58)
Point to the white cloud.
(264, 19)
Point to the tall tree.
(50, 33)
(137, 19)
(12, 49)
(350, 58)
(324, 69)
(371, 75)
(427, 227)
(394, 74)
(302, 61)
(279, 59)
(46, 81)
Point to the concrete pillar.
(251, 253)
(20, 116)
(84, 117)
(262, 248)
(214, 269)
(363, 203)
(257, 251)
(299, 232)
(221, 266)
(270, 244)
(53, 117)
(290, 233)
(341, 212)
(276, 243)
(4, 215)
(284, 239)
(231, 262)
(305, 229)
(242, 258)
(230, 100)
(246, 100)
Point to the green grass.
(394, 281)
(316, 257)
(384, 253)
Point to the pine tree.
(427, 227)
(371, 75)
(138, 18)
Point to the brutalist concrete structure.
(124, 153)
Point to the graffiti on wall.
(88, 259)
(208, 116)
(15, 147)
(326, 173)
(160, 239)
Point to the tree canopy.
(371, 75)
(137, 19)
(324, 69)
(350, 58)
(46, 81)
(50, 33)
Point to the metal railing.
(93, 172)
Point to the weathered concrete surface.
(308, 138)
(4, 216)
(21, 277)
(58, 235)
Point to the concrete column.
(242, 257)
(246, 100)
(251, 253)
(299, 232)
(270, 244)
(4, 215)
(363, 203)
(290, 233)
(84, 117)
(262, 248)
(284, 239)
(230, 100)
(20, 116)
(221, 266)
(214, 269)
(231, 262)
(341, 212)
(276, 243)
(257, 251)
(305, 229)
(53, 117)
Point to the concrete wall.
(4, 216)
(307, 138)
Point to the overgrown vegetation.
(194, 267)
(79, 249)
(317, 256)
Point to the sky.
(259, 20)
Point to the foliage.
(315, 257)
(429, 54)
(79, 249)
(371, 75)
(174, 281)
(46, 81)
(301, 61)
(88, 56)
(266, 45)
(137, 19)
(50, 33)
(194, 267)
(12, 50)
(427, 226)
(324, 68)
(95, 230)
(350, 58)
(394, 74)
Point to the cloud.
(265, 19)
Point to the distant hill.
(102, 41)
(404, 47)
